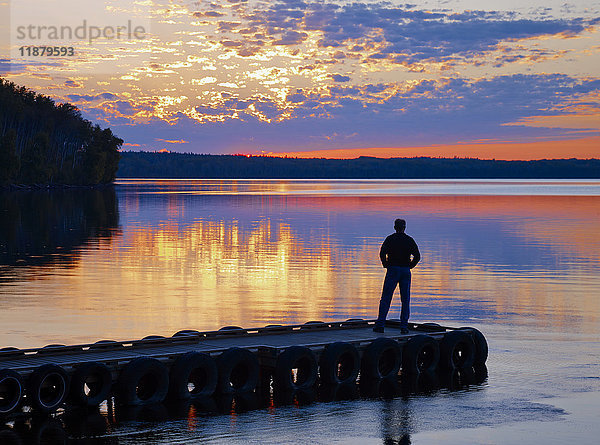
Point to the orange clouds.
(524, 151)
(173, 141)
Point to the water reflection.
(524, 264)
(48, 229)
(362, 187)
(193, 420)
(260, 253)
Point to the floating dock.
(193, 364)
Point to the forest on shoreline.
(47, 144)
(194, 166)
(44, 144)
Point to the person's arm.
(416, 255)
(383, 253)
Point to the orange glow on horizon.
(509, 151)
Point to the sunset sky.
(504, 80)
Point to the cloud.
(291, 38)
(339, 78)
(200, 14)
(73, 84)
(444, 111)
(173, 141)
(296, 97)
(231, 43)
(10, 66)
(227, 26)
(90, 98)
(400, 34)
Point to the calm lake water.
(519, 260)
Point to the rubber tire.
(481, 346)
(187, 332)
(37, 378)
(106, 344)
(131, 376)
(10, 351)
(452, 342)
(412, 353)
(235, 363)
(232, 330)
(8, 376)
(331, 393)
(151, 413)
(49, 431)
(432, 327)
(294, 357)
(380, 350)
(183, 371)
(9, 437)
(78, 382)
(332, 357)
(314, 324)
(379, 388)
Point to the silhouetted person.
(399, 254)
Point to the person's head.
(399, 225)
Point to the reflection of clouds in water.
(187, 260)
(482, 253)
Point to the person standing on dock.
(399, 254)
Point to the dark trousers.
(395, 275)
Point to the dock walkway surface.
(314, 335)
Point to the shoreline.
(36, 187)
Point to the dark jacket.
(397, 249)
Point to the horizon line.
(288, 156)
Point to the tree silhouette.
(9, 161)
(45, 143)
(185, 165)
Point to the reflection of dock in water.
(315, 360)
(202, 414)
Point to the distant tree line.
(179, 165)
(45, 143)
